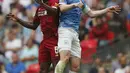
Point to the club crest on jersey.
(42, 12)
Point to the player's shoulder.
(53, 1)
(40, 8)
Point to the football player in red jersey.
(47, 17)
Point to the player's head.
(120, 55)
(15, 58)
(98, 61)
(100, 20)
(41, 1)
(123, 61)
(101, 70)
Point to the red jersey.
(100, 33)
(47, 22)
(49, 27)
(88, 50)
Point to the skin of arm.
(33, 25)
(91, 13)
(30, 25)
(29, 58)
(51, 10)
(96, 13)
(66, 7)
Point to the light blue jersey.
(71, 18)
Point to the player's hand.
(12, 17)
(114, 9)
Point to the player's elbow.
(91, 14)
(62, 8)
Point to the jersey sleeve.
(36, 18)
(62, 1)
(86, 9)
(53, 3)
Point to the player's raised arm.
(51, 10)
(92, 13)
(65, 7)
(30, 25)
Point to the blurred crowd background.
(19, 45)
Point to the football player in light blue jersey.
(68, 42)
